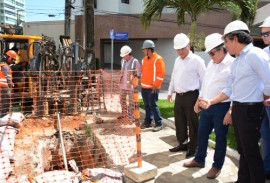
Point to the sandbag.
(13, 119)
(57, 177)
(5, 167)
(7, 140)
(102, 175)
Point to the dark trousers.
(265, 140)
(185, 115)
(210, 119)
(151, 109)
(5, 101)
(247, 122)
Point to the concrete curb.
(170, 123)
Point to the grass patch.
(230, 138)
(165, 107)
(166, 110)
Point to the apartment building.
(12, 12)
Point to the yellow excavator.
(41, 71)
(20, 44)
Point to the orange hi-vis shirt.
(3, 79)
(153, 71)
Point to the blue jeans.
(265, 140)
(151, 109)
(210, 119)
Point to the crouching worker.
(6, 81)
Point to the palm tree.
(244, 10)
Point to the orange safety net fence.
(68, 126)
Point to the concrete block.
(140, 174)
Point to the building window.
(125, 1)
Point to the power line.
(74, 12)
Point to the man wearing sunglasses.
(218, 116)
(249, 86)
(265, 128)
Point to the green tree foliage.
(244, 10)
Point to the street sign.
(111, 34)
(120, 35)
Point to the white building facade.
(124, 16)
(12, 12)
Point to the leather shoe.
(190, 154)
(213, 173)
(193, 164)
(145, 125)
(178, 148)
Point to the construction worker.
(130, 73)
(153, 72)
(6, 81)
(249, 86)
(186, 80)
(217, 117)
(265, 128)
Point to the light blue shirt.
(267, 50)
(250, 76)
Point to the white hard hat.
(212, 41)
(125, 50)
(180, 41)
(266, 22)
(235, 26)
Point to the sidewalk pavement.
(155, 150)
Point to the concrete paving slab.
(155, 150)
(140, 174)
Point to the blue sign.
(120, 35)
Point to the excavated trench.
(38, 150)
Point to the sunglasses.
(265, 34)
(211, 54)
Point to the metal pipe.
(61, 137)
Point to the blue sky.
(37, 10)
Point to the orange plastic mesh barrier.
(68, 127)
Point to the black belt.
(188, 92)
(235, 103)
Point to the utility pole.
(18, 28)
(67, 17)
(89, 34)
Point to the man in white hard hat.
(249, 87)
(153, 72)
(186, 80)
(130, 73)
(218, 116)
(265, 128)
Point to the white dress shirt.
(187, 74)
(216, 78)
